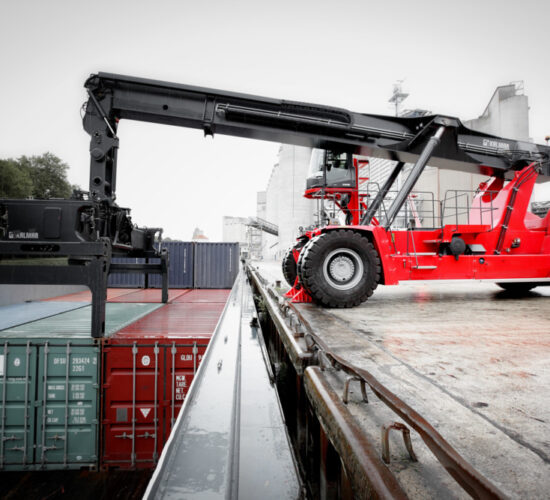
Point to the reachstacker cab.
(335, 177)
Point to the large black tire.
(290, 270)
(339, 269)
(517, 288)
(300, 262)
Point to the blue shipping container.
(180, 271)
(216, 265)
(127, 280)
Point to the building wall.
(270, 243)
(256, 237)
(285, 203)
(234, 229)
(261, 197)
(506, 115)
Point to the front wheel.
(340, 269)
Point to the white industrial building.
(234, 229)
(285, 205)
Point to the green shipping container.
(49, 375)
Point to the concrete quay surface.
(470, 358)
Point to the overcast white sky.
(347, 53)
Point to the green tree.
(14, 182)
(48, 174)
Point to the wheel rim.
(343, 268)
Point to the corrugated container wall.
(216, 265)
(127, 280)
(180, 272)
(148, 368)
(49, 389)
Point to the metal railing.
(463, 205)
(421, 209)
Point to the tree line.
(39, 177)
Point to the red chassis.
(501, 242)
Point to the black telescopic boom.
(115, 97)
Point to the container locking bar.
(4, 389)
(66, 444)
(45, 398)
(156, 420)
(173, 351)
(27, 402)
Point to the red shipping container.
(147, 370)
(144, 385)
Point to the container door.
(180, 272)
(67, 406)
(18, 378)
(216, 265)
(127, 280)
(133, 377)
(183, 363)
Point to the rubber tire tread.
(300, 262)
(311, 269)
(289, 268)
